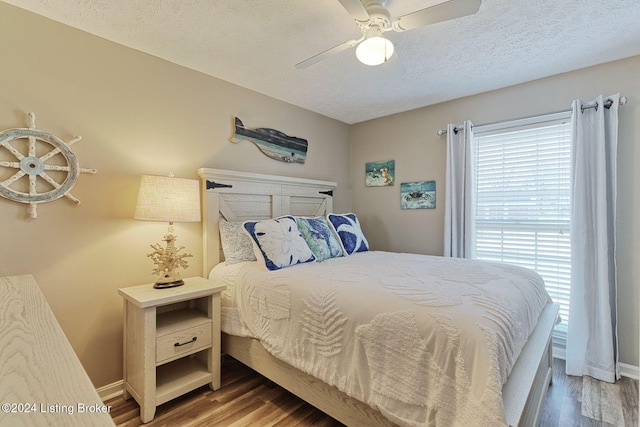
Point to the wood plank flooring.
(248, 399)
(583, 401)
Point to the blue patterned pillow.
(348, 229)
(280, 242)
(321, 240)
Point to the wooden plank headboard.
(241, 196)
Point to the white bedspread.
(426, 340)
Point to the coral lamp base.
(172, 284)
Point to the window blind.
(523, 200)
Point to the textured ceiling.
(256, 43)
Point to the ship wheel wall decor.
(46, 161)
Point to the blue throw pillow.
(348, 229)
(321, 240)
(280, 242)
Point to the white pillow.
(279, 242)
(236, 245)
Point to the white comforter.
(426, 340)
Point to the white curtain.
(591, 336)
(458, 204)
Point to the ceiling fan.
(374, 20)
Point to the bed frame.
(238, 196)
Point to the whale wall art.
(271, 142)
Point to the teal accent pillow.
(321, 240)
(279, 241)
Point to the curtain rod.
(607, 104)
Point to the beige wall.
(410, 139)
(137, 115)
(140, 115)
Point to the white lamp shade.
(374, 50)
(168, 199)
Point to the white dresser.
(42, 382)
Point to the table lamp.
(168, 199)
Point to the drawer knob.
(178, 344)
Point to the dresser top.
(39, 366)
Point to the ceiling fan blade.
(355, 9)
(332, 51)
(441, 12)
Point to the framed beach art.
(418, 195)
(380, 174)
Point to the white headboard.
(241, 196)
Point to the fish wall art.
(271, 142)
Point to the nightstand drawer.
(182, 343)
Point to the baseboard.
(629, 371)
(559, 352)
(110, 391)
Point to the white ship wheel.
(33, 166)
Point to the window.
(523, 199)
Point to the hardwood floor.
(248, 399)
(583, 401)
(244, 399)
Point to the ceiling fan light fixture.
(374, 50)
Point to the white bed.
(467, 388)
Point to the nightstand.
(171, 341)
